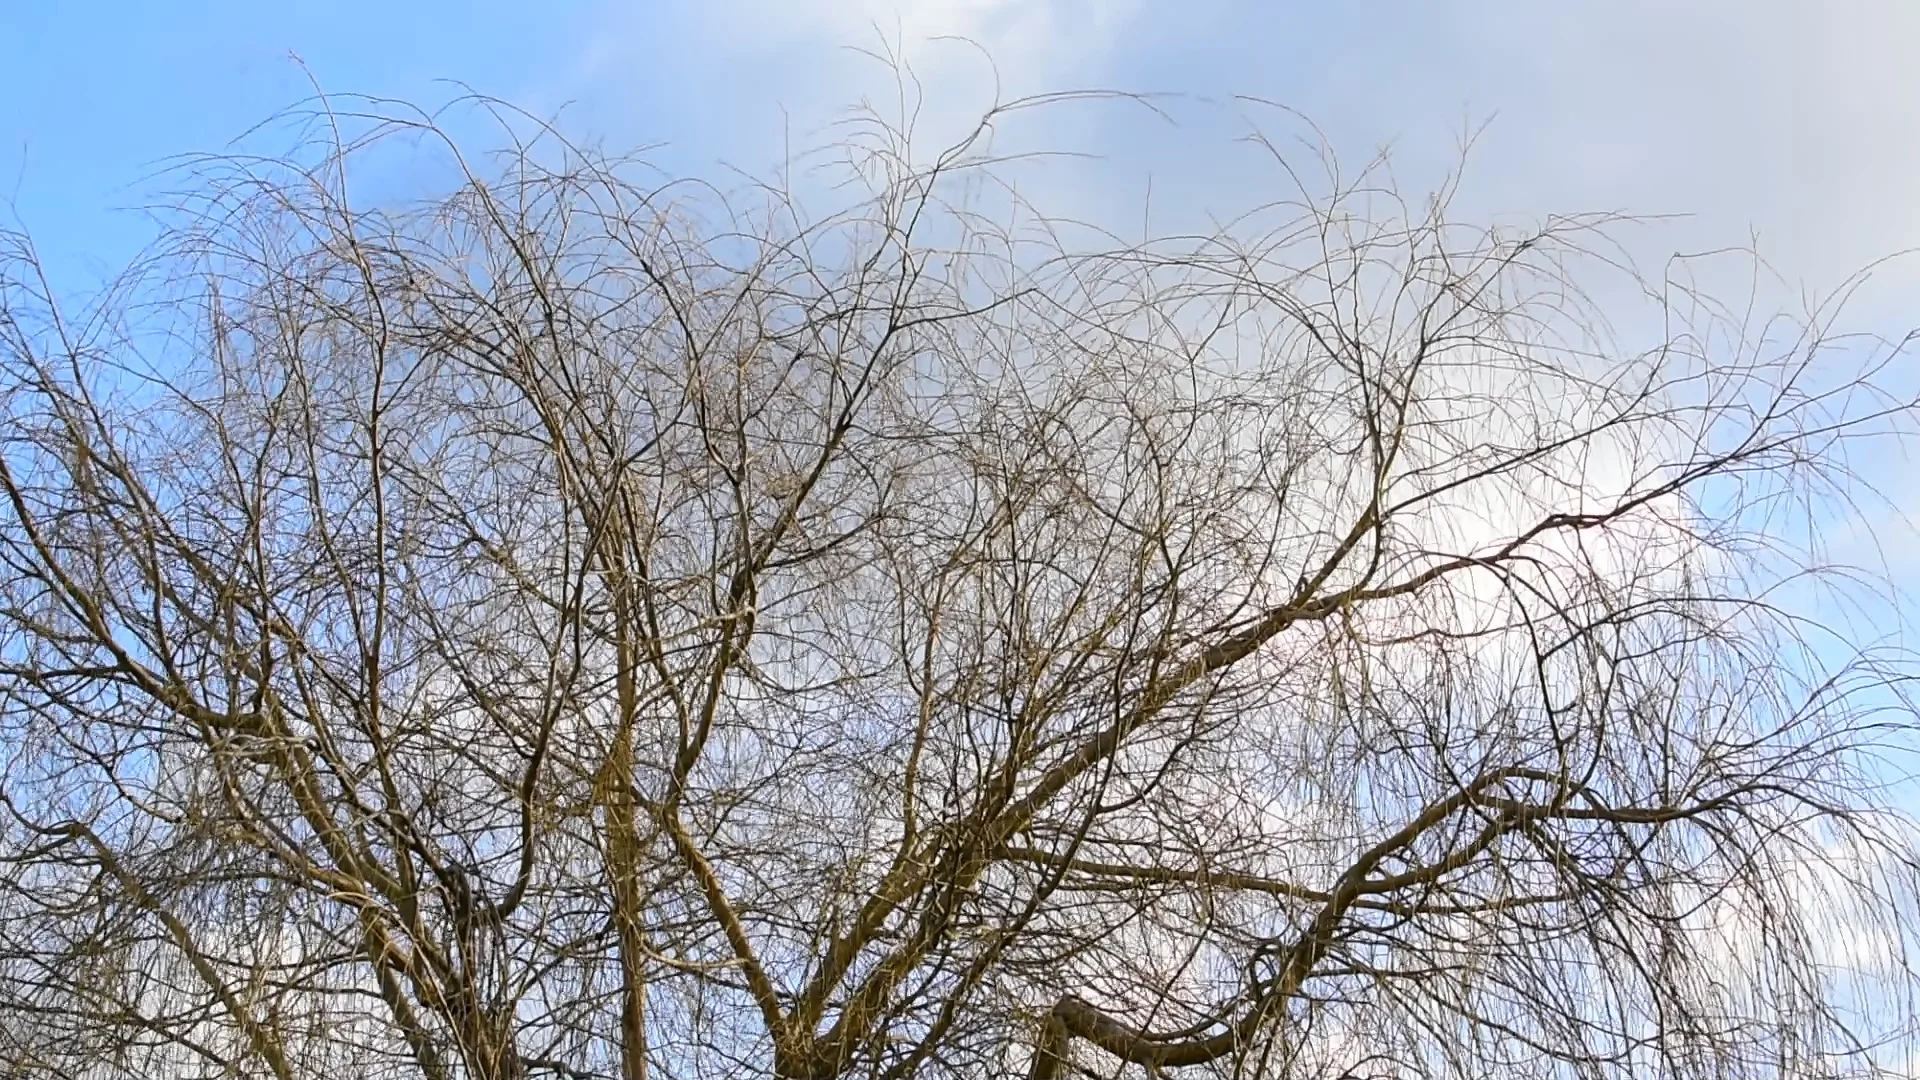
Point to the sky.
(1791, 120)
(1789, 124)
(1792, 125)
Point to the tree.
(596, 627)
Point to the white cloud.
(1018, 30)
(757, 72)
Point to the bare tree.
(593, 626)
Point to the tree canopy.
(592, 625)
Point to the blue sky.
(1798, 123)
(1797, 120)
